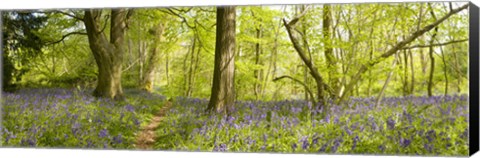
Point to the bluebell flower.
(223, 147)
(118, 139)
(336, 120)
(349, 132)
(294, 146)
(430, 135)
(103, 133)
(315, 140)
(265, 137)
(381, 148)
(335, 146)
(304, 142)
(324, 147)
(390, 123)
(405, 142)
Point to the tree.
(147, 79)
(20, 43)
(223, 92)
(430, 53)
(320, 83)
(108, 53)
(399, 45)
(331, 64)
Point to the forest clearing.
(386, 78)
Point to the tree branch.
(297, 18)
(184, 20)
(65, 36)
(104, 24)
(436, 44)
(60, 12)
(181, 10)
(131, 65)
(300, 82)
(70, 15)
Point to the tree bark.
(457, 69)
(108, 54)
(405, 73)
(432, 58)
(380, 95)
(257, 73)
(223, 91)
(444, 70)
(412, 82)
(327, 34)
(149, 76)
(190, 69)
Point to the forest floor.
(66, 118)
(146, 137)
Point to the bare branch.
(184, 20)
(436, 44)
(64, 13)
(70, 15)
(298, 81)
(205, 10)
(65, 36)
(181, 10)
(131, 65)
(297, 18)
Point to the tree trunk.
(380, 95)
(321, 86)
(424, 65)
(257, 73)
(147, 82)
(166, 68)
(190, 69)
(185, 72)
(444, 70)
(370, 80)
(405, 73)
(331, 63)
(195, 68)
(223, 91)
(141, 60)
(108, 54)
(457, 68)
(412, 82)
(432, 58)
(306, 47)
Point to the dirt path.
(146, 137)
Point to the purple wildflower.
(390, 123)
(294, 146)
(103, 133)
